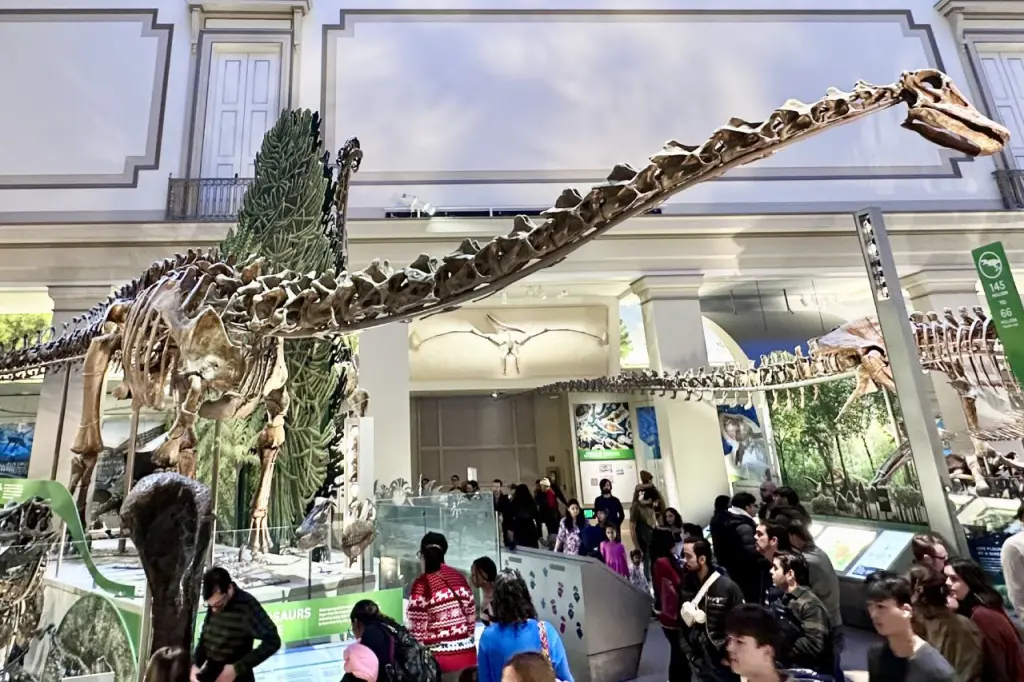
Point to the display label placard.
(1003, 301)
(299, 621)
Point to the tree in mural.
(831, 463)
(15, 327)
(281, 220)
(625, 341)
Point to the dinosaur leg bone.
(269, 445)
(182, 430)
(973, 459)
(89, 441)
(865, 385)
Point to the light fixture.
(494, 394)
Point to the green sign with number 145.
(1003, 302)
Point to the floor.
(323, 663)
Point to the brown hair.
(923, 546)
(531, 667)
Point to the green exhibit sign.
(299, 621)
(1003, 302)
(63, 505)
(606, 455)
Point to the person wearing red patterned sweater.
(442, 610)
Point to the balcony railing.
(1011, 186)
(212, 200)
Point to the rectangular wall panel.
(85, 96)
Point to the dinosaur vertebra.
(963, 346)
(210, 331)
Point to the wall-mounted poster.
(603, 431)
(852, 467)
(647, 425)
(746, 450)
(15, 449)
(604, 444)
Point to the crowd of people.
(756, 601)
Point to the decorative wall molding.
(347, 27)
(164, 33)
(251, 6)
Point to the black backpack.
(411, 661)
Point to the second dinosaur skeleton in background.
(206, 332)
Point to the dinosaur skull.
(940, 114)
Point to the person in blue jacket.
(610, 504)
(515, 629)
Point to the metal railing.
(212, 200)
(1011, 187)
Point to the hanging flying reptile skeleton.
(963, 346)
(206, 333)
(505, 339)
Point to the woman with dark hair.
(442, 609)
(371, 629)
(516, 629)
(482, 574)
(979, 601)
(788, 507)
(524, 518)
(719, 527)
(570, 530)
(667, 583)
(671, 520)
(957, 638)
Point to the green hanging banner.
(1003, 302)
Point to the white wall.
(497, 109)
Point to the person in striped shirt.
(234, 620)
(442, 610)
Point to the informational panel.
(605, 449)
(843, 544)
(746, 449)
(881, 554)
(15, 448)
(622, 473)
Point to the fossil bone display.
(962, 345)
(26, 532)
(505, 340)
(206, 332)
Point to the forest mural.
(832, 464)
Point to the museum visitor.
(806, 627)
(956, 637)
(609, 504)
(516, 628)
(442, 610)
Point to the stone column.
(384, 373)
(691, 443)
(934, 290)
(68, 302)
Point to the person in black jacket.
(738, 551)
(706, 641)
(717, 525)
(610, 505)
(523, 518)
(788, 508)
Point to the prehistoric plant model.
(211, 331)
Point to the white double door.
(1004, 76)
(242, 104)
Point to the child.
(613, 553)
(360, 664)
(636, 571)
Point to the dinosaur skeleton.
(208, 332)
(963, 346)
(26, 532)
(505, 340)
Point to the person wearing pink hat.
(360, 663)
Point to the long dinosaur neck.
(379, 295)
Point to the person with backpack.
(400, 658)
(515, 629)
(667, 584)
(442, 610)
